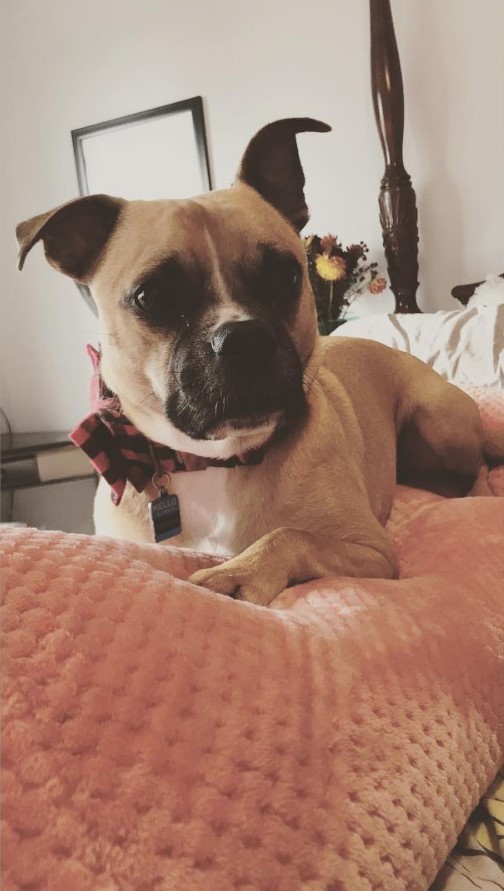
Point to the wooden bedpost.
(398, 212)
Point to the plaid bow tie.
(121, 453)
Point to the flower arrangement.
(338, 275)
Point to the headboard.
(397, 200)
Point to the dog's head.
(205, 307)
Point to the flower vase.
(330, 299)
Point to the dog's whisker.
(149, 396)
(184, 404)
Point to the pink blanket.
(158, 736)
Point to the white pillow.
(464, 346)
(489, 293)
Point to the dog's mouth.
(254, 428)
(232, 413)
(215, 400)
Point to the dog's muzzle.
(240, 375)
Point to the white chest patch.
(208, 521)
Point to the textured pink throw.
(158, 736)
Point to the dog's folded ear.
(74, 234)
(272, 167)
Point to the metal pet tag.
(165, 516)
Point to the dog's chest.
(208, 518)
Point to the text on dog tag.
(165, 516)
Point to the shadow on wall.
(439, 198)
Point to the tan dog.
(210, 342)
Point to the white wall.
(67, 64)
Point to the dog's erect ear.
(272, 167)
(74, 234)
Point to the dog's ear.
(74, 234)
(272, 167)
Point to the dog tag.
(165, 516)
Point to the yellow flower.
(331, 269)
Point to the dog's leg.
(442, 431)
(286, 556)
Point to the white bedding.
(464, 346)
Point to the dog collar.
(120, 453)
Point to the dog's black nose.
(250, 337)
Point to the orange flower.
(331, 269)
(377, 285)
(327, 243)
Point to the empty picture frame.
(158, 153)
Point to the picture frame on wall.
(158, 153)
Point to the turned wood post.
(398, 212)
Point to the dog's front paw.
(238, 580)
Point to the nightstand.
(46, 482)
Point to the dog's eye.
(277, 280)
(139, 298)
(164, 297)
(280, 279)
(293, 276)
(145, 297)
(156, 304)
(160, 305)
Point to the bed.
(157, 736)
(465, 347)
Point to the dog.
(209, 343)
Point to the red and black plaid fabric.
(120, 453)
